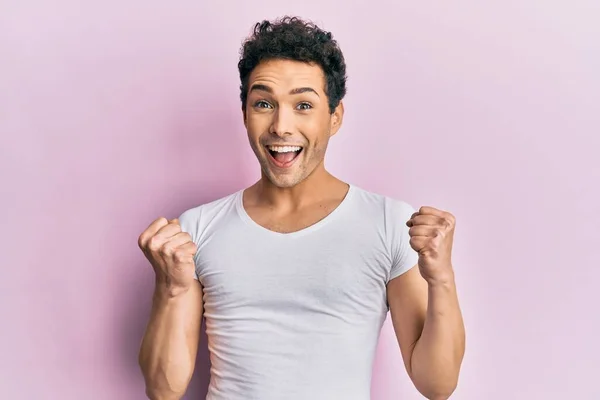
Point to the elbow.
(437, 382)
(438, 393)
(436, 389)
(161, 394)
(441, 396)
(160, 386)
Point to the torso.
(295, 315)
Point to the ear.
(336, 119)
(244, 116)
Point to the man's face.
(288, 119)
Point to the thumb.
(174, 221)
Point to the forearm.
(169, 346)
(438, 353)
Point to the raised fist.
(171, 253)
(432, 235)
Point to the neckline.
(239, 202)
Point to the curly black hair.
(292, 38)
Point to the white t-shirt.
(297, 315)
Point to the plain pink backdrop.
(113, 113)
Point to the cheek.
(321, 138)
(321, 146)
(317, 130)
(255, 126)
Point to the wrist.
(445, 280)
(164, 290)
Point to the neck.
(320, 184)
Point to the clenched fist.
(431, 235)
(171, 253)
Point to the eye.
(262, 104)
(304, 106)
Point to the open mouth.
(284, 156)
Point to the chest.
(287, 222)
(335, 273)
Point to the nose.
(283, 122)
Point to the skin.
(170, 343)
(425, 310)
(287, 105)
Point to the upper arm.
(194, 297)
(406, 288)
(407, 299)
(194, 301)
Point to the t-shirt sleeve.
(189, 220)
(402, 256)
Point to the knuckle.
(187, 236)
(181, 256)
(167, 249)
(153, 244)
(141, 241)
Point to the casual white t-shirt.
(297, 315)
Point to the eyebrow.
(265, 88)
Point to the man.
(294, 275)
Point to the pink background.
(113, 113)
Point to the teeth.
(284, 149)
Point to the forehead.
(284, 75)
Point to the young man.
(294, 275)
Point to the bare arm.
(424, 307)
(170, 344)
(429, 327)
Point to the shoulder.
(385, 207)
(197, 218)
(389, 216)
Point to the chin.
(284, 182)
(284, 179)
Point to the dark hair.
(291, 38)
